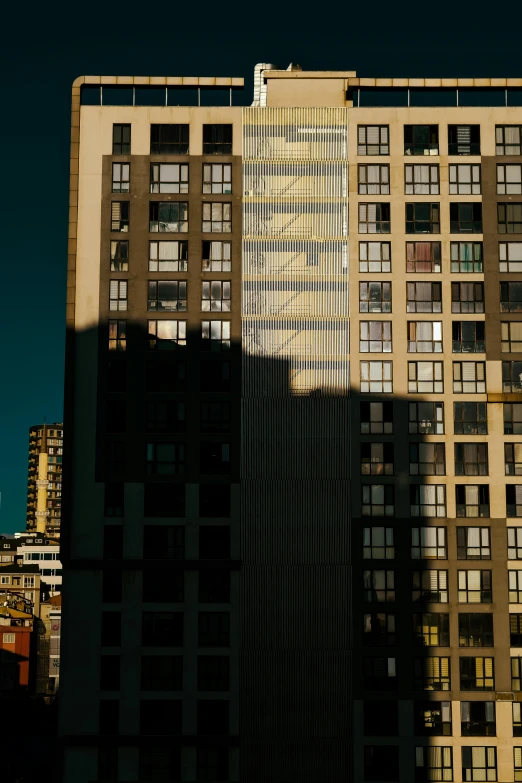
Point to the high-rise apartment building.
(286, 559)
(44, 481)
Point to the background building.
(263, 518)
(44, 481)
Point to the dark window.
(381, 718)
(431, 629)
(427, 459)
(112, 586)
(159, 763)
(378, 543)
(432, 674)
(163, 542)
(161, 673)
(165, 376)
(473, 543)
(121, 139)
(474, 587)
(377, 459)
(214, 500)
(215, 335)
(466, 256)
(167, 336)
(168, 216)
(160, 716)
(214, 586)
(115, 416)
(466, 218)
(111, 629)
(379, 674)
(477, 719)
(215, 417)
(214, 542)
(511, 376)
(426, 418)
(167, 295)
(108, 763)
(169, 139)
(214, 376)
(165, 459)
(514, 500)
(114, 500)
(423, 298)
(476, 630)
(213, 673)
(374, 218)
(472, 500)
(471, 459)
(166, 416)
(381, 762)
(163, 586)
(120, 216)
(421, 139)
(109, 717)
(422, 218)
(511, 297)
(109, 673)
(117, 336)
(112, 542)
(378, 500)
(217, 139)
(378, 629)
(477, 674)
(373, 140)
(430, 587)
(375, 298)
(119, 255)
(423, 257)
(376, 418)
(378, 586)
(515, 631)
(212, 763)
(214, 629)
(468, 336)
(467, 297)
(464, 140)
(509, 218)
(162, 629)
(433, 718)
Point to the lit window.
(474, 587)
(167, 335)
(424, 336)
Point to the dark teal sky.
(43, 47)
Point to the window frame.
(416, 265)
(382, 147)
(415, 185)
(370, 265)
(459, 265)
(376, 187)
(420, 225)
(381, 222)
(158, 184)
(459, 185)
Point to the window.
(421, 139)
(120, 177)
(214, 629)
(430, 586)
(168, 256)
(509, 218)
(434, 763)
(477, 674)
(212, 763)
(478, 719)
(479, 763)
(473, 542)
(109, 717)
(515, 587)
(511, 297)
(8, 638)
(119, 256)
(168, 178)
(161, 672)
(165, 459)
(431, 629)
(423, 257)
(514, 500)
(157, 763)
(217, 178)
(215, 335)
(424, 336)
(374, 218)
(421, 180)
(507, 138)
(475, 630)
(214, 587)
(517, 754)
(378, 543)
(466, 217)
(113, 500)
(163, 542)
(431, 674)
(167, 295)
(472, 500)
(379, 630)
(466, 257)
(375, 298)
(217, 139)
(374, 257)
(217, 217)
(469, 377)
(164, 500)
(379, 674)
(381, 718)
(381, 762)
(467, 297)
(216, 256)
(428, 543)
(216, 296)
(375, 337)
(213, 672)
(471, 459)
(162, 629)
(167, 335)
(376, 459)
(464, 179)
(109, 673)
(214, 376)
(513, 459)
(373, 140)
(516, 674)
(423, 298)
(427, 500)
(117, 335)
(374, 179)
(165, 416)
(215, 417)
(427, 459)
(169, 139)
(515, 639)
(464, 140)
(422, 218)
(379, 586)
(121, 139)
(510, 256)
(511, 376)
(377, 500)
(160, 715)
(214, 458)
(514, 537)
(168, 217)
(426, 418)
(509, 179)
(214, 500)
(118, 295)
(474, 587)
(376, 377)
(468, 336)
(120, 216)
(425, 378)
(111, 629)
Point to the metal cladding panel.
(295, 656)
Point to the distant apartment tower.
(294, 407)
(44, 480)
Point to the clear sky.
(44, 47)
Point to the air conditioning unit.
(505, 696)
